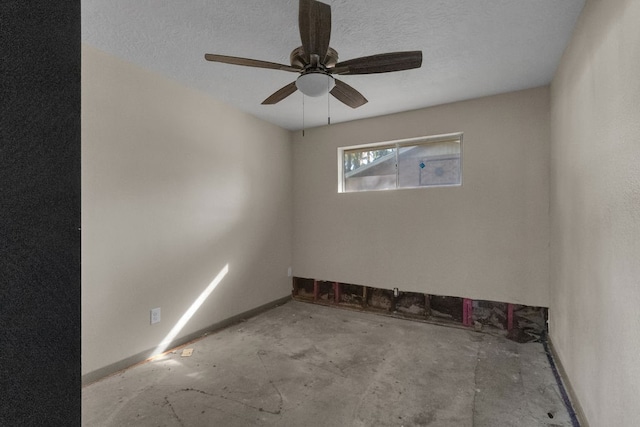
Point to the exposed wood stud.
(428, 308)
(467, 312)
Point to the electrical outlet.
(155, 315)
(289, 272)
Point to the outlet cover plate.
(155, 315)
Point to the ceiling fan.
(317, 63)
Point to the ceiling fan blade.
(280, 94)
(249, 62)
(348, 95)
(382, 63)
(314, 20)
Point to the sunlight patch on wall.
(164, 344)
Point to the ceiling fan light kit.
(315, 83)
(317, 63)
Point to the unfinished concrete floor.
(307, 365)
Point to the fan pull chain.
(303, 115)
(328, 101)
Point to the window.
(408, 163)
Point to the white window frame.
(399, 143)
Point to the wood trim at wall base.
(582, 419)
(143, 356)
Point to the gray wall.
(595, 212)
(487, 239)
(175, 186)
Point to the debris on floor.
(338, 368)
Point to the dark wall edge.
(40, 353)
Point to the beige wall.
(485, 240)
(595, 212)
(174, 187)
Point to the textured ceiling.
(471, 48)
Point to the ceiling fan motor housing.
(297, 58)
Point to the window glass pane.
(433, 163)
(411, 163)
(370, 169)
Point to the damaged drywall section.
(520, 323)
(380, 299)
(528, 323)
(491, 313)
(413, 304)
(325, 291)
(351, 295)
(303, 289)
(447, 308)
